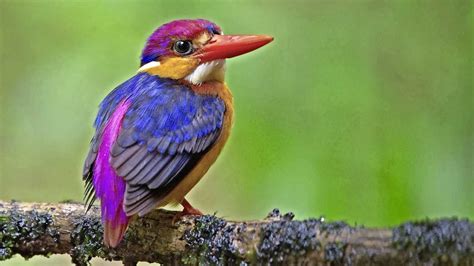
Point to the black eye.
(183, 47)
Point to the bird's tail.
(109, 187)
(114, 232)
(114, 219)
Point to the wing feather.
(142, 165)
(131, 163)
(150, 172)
(120, 159)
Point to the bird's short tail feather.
(113, 233)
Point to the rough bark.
(31, 229)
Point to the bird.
(159, 132)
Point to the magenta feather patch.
(110, 188)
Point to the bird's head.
(194, 50)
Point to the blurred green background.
(359, 110)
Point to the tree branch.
(32, 229)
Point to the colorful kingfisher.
(159, 132)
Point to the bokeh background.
(359, 110)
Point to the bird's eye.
(183, 47)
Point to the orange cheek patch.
(174, 67)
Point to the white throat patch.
(213, 70)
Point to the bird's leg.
(187, 210)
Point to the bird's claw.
(187, 210)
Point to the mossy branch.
(32, 229)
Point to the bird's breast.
(220, 90)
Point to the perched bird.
(159, 132)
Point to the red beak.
(227, 46)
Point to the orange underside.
(221, 90)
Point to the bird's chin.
(208, 71)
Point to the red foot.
(187, 210)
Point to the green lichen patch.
(334, 253)
(445, 240)
(7, 240)
(19, 228)
(211, 241)
(284, 237)
(87, 240)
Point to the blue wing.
(165, 132)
